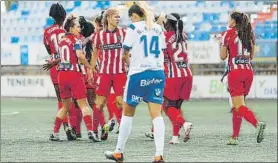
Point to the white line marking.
(12, 113)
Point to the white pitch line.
(12, 113)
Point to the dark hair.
(175, 22)
(87, 28)
(70, 22)
(135, 9)
(58, 13)
(99, 18)
(244, 29)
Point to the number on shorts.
(154, 46)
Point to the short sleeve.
(129, 37)
(224, 39)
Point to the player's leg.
(65, 95)
(132, 97)
(104, 82)
(237, 90)
(184, 94)
(154, 97)
(76, 122)
(112, 109)
(119, 81)
(79, 92)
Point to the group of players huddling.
(93, 64)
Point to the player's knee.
(170, 103)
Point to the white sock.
(124, 132)
(159, 132)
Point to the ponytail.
(179, 32)
(244, 29)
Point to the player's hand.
(47, 66)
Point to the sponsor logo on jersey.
(241, 60)
(112, 46)
(147, 82)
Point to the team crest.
(157, 92)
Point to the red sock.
(248, 115)
(72, 116)
(172, 113)
(101, 119)
(237, 119)
(57, 125)
(176, 129)
(88, 122)
(78, 120)
(179, 119)
(96, 117)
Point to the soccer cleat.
(232, 141)
(54, 137)
(118, 157)
(118, 130)
(158, 159)
(70, 134)
(187, 127)
(93, 136)
(149, 134)
(174, 140)
(104, 132)
(111, 124)
(260, 129)
(78, 135)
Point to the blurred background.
(23, 52)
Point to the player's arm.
(223, 51)
(80, 55)
(128, 42)
(96, 47)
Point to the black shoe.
(112, 123)
(93, 136)
(54, 137)
(104, 132)
(70, 134)
(78, 136)
(118, 157)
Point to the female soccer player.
(70, 78)
(52, 35)
(178, 76)
(108, 49)
(239, 41)
(146, 77)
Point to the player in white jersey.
(145, 40)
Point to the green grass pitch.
(27, 123)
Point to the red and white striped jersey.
(176, 60)
(111, 51)
(51, 38)
(67, 48)
(238, 55)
